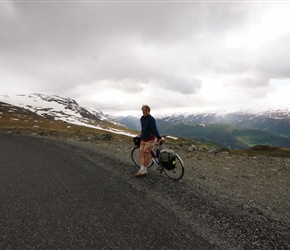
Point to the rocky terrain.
(256, 182)
(234, 201)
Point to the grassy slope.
(18, 120)
(225, 135)
(263, 150)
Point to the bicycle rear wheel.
(178, 171)
(135, 155)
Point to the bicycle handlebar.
(161, 141)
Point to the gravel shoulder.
(235, 202)
(255, 182)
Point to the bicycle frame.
(153, 156)
(152, 152)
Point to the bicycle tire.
(178, 171)
(135, 155)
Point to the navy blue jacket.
(149, 128)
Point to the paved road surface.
(56, 195)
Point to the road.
(58, 195)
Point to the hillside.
(15, 119)
(219, 134)
(225, 135)
(275, 121)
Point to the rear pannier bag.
(137, 140)
(167, 159)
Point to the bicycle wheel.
(178, 171)
(135, 155)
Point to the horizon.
(18, 100)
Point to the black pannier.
(137, 140)
(167, 159)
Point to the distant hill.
(225, 135)
(242, 130)
(273, 121)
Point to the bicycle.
(175, 171)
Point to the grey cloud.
(252, 86)
(275, 62)
(74, 32)
(63, 46)
(180, 83)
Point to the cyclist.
(149, 133)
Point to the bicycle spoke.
(135, 155)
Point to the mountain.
(224, 135)
(274, 121)
(236, 130)
(131, 122)
(65, 110)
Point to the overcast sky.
(173, 56)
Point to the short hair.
(146, 107)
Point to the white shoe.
(141, 173)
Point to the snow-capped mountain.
(236, 130)
(274, 121)
(234, 118)
(277, 112)
(66, 110)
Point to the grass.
(264, 150)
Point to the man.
(149, 133)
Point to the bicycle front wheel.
(135, 155)
(178, 171)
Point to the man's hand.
(161, 140)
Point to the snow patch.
(171, 137)
(62, 109)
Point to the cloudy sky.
(175, 56)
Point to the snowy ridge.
(277, 112)
(274, 112)
(66, 110)
(275, 120)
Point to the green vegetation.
(278, 127)
(224, 135)
(264, 150)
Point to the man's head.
(145, 110)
